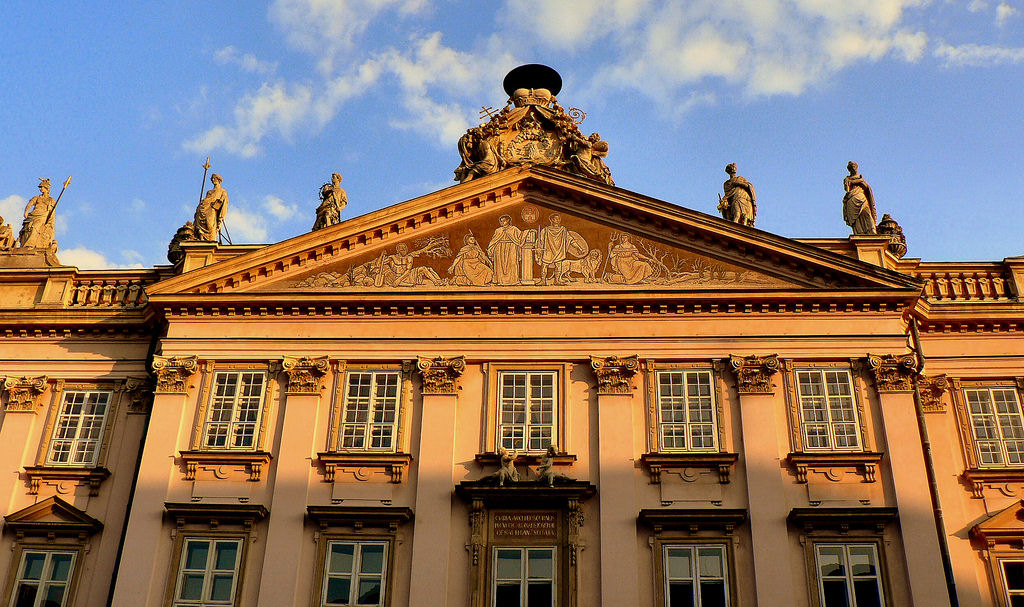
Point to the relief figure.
(629, 266)
(37, 229)
(471, 266)
(555, 242)
(504, 251)
(398, 270)
(332, 200)
(858, 203)
(211, 211)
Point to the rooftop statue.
(37, 229)
(740, 202)
(332, 200)
(532, 129)
(858, 203)
(6, 236)
(211, 211)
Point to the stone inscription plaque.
(526, 524)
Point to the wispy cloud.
(978, 55)
(247, 62)
(246, 226)
(12, 209)
(85, 258)
(1003, 12)
(277, 207)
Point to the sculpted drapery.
(504, 251)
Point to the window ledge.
(394, 464)
(92, 475)
(524, 459)
(255, 461)
(977, 477)
(865, 462)
(656, 462)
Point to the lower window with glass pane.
(696, 575)
(848, 575)
(208, 571)
(354, 573)
(43, 578)
(523, 576)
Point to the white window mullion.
(78, 429)
(234, 411)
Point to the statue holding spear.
(213, 207)
(37, 229)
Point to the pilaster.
(432, 532)
(616, 479)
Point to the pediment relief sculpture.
(523, 246)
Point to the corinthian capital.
(893, 373)
(23, 392)
(754, 373)
(440, 374)
(613, 373)
(305, 373)
(172, 373)
(932, 388)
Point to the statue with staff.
(37, 229)
(212, 209)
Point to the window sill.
(720, 461)
(92, 475)
(255, 461)
(976, 478)
(394, 464)
(865, 462)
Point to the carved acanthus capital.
(893, 373)
(138, 394)
(754, 373)
(440, 374)
(614, 373)
(305, 373)
(932, 389)
(23, 392)
(172, 373)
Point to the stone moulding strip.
(359, 517)
(721, 462)
(843, 519)
(864, 462)
(216, 514)
(975, 479)
(394, 464)
(254, 461)
(692, 520)
(93, 477)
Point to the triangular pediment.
(534, 229)
(52, 515)
(1007, 525)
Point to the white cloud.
(978, 55)
(1003, 12)
(247, 62)
(12, 209)
(85, 258)
(277, 207)
(976, 6)
(572, 24)
(245, 226)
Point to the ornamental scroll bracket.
(754, 373)
(893, 373)
(440, 374)
(172, 373)
(932, 389)
(138, 393)
(614, 373)
(23, 394)
(305, 373)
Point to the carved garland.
(893, 373)
(305, 374)
(932, 389)
(172, 373)
(754, 373)
(23, 394)
(614, 373)
(440, 374)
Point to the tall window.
(208, 574)
(526, 409)
(371, 410)
(1013, 582)
(686, 411)
(354, 573)
(233, 417)
(996, 425)
(44, 577)
(695, 576)
(79, 428)
(523, 577)
(828, 413)
(848, 575)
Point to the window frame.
(524, 574)
(355, 574)
(345, 380)
(388, 538)
(491, 438)
(22, 549)
(848, 576)
(119, 397)
(59, 415)
(208, 573)
(696, 574)
(1005, 592)
(204, 409)
(656, 438)
(675, 527)
(964, 418)
(795, 406)
(403, 413)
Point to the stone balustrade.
(982, 282)
(106, 293)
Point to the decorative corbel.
(440, 374)
(614, 373)
(23, 394)
(172, 373)
(893, 373)
(932, 389)
(754, 373)
(138, 393)
(305, 373)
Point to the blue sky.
(130, 98)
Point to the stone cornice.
(440, 375)
(614, 373)
(305, 373)
(754, 373)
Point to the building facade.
(531, 388)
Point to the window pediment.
(52, 516)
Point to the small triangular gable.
(529, 229)
(52, 515)
(1005, 526)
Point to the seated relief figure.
(858, 203)
(629, 265)
(210, 213)
(471, 266)
(333, 200)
